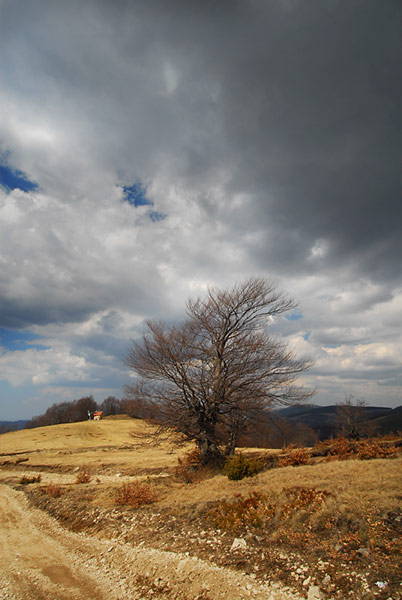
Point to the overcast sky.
(151, 149)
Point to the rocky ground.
(190, 534)
(39, 559)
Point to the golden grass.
(116, 446)
(377, 481)
(73, 436)
(329, 509)
(109, 445)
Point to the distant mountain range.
(323, 419)
(12, 425)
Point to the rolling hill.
(323, 419)
(314, 523)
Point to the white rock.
(381, 584)
(238, 544)
(314, 593)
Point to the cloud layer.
(267, 136)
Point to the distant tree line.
(350, 419)
(272, 431)
(77, 410)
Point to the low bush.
(135, 494)
(253, 511)
(25, 480)
(53, 490)
(83, 476)
(375, 448)
(294, 457)
(341, 449)
(368, 448)
(190, 469)
(293, 509)
(303, 498)
(239, 466)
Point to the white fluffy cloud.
(42, 367)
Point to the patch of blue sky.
(156, 216)
(12, 179)
(13, 401)
(136, 195)
(295, 316)
(13, 340)
(306, 336)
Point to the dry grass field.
(101, 445)
(331, 525)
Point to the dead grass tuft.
(83, 476)
(54, 490)
(135, 494)
(25, 479)
(239, 514)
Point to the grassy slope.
(356, 490)
(125, 444)
(119, 445)
(73, 436)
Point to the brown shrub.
(83, 476)
(375, 448)
(368, 448)
(135, 494)
(190, 469)
(253, 511)
(54, 490)
(25, 479)
(289, 511)
(341, 448)
(294, 457)
(303, 498)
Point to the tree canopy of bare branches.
(212, 375)
(351, 417)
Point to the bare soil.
(40, 560)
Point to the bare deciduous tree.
(212, 375)
(351, 418)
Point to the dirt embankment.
(41, 560)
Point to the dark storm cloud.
(312, 112)
(300, 101)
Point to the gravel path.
(41, 560)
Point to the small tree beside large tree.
(211, 377)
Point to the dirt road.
(40, 560)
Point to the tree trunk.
(231, 444)
(209, 451)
